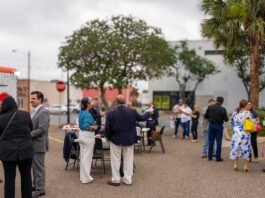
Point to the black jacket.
(16, 143)
(96, 115)
(216, 114)
(121, 125)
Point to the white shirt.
(183, 116)
(176, 110)
(35, 110)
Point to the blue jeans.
(215, 132)
(194, 129)
(205, 143)
(186, 128)
(177, 123)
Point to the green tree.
(190, 67)
(232, 22)
(239, 59)
(115, 52)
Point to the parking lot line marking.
(55, 139)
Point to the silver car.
(57, 109)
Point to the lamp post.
(68, 97)
(28, 82)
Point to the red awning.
(8, 70)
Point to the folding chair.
(158, 138)
(99, 153)
(71, 150)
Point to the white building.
(164, 92)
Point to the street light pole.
(29, 80)
(68, 97)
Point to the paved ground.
(180, 172)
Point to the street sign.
(60, 86)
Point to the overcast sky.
(40, 26)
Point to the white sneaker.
(193, 141)
(174, 136)
(255, 160)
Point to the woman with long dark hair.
(16, 147)
(86, 140)
(253, 134)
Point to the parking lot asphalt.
(180, 172)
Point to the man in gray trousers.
(41, 120)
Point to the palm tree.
(230, 24)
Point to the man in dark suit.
(216, 115)
(121, 131)
(41, 120)
(152, 121)
(96, 114)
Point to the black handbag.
(7, 126)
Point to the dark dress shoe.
(113, 184)
(210, 159)
(37, 193)
(33, 188)
(1, 180)
(263, 170)
(219, 160)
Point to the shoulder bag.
(7, 126)
(249, 125)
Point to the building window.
(167, 99)
(213, 52)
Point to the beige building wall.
(51, 95)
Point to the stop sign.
(60, 86)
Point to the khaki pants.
(115, 155)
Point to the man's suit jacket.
(120, 125)
(41, 121)
(153, 120)
(96, 115)
(155, 115)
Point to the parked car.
(75, 108)
(57, 108)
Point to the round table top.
(145, 129)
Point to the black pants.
(254, 144)
(194, 129)
(177, 124)
(24, 167)
(152, 126)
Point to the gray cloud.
(41, 26)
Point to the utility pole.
(28, 81)
(68, 98)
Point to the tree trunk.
(254, 70)
(247, 88)
(193, 92)
(103, 97)
(181, 92)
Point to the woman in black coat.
(16, 147)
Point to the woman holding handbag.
(241, 145)
(16, 147)
(254, 134)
